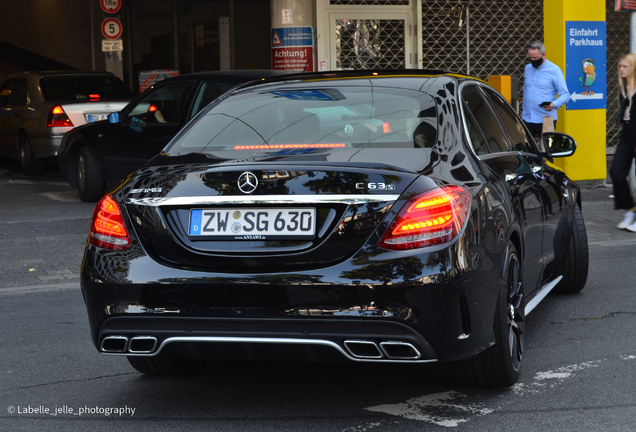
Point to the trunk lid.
(325, 211)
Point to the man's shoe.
(628, 221)
(632, 227)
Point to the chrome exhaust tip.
(363, 349)
(400, 350)
(114, 344)
(142, 344)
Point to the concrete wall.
(54, 29)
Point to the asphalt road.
(579, 363)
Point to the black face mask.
(536, 63)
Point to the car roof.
(238, 76)
(439, 77)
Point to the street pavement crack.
(609, 315)
(72, 380)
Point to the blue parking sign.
(586, 64)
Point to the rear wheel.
(29, 163)
(500, 365)
(163, 366)
(90, 181)
(577, 258)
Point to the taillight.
(432, 218)
(108, 230)
(58, 118)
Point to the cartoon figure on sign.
(589, 76)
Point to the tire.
(500, 365)
(161, 366)
(90, 181)
(577, 258)
(29, 163)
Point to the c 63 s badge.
(375, 186)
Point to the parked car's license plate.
(92, 118)
(253, 222)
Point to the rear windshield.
(83, 88)
(311, 117)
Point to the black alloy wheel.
(516, 314)
(500, 365)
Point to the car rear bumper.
(140, 307)
(265, 339)
(46, 145)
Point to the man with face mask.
(543, 81)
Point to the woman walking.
(626, 149)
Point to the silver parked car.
(38, 108)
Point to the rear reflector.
(432, 218)
(58, 118)
(108, 230)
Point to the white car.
(38, 108)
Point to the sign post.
(293, 48)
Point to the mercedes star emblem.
(107, 106)
(247, 182)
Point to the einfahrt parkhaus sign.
(293, 48)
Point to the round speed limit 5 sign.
(111, 28)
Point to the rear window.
(83, 88)
(311, 117)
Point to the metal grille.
(499, 33)
(368, 44)
(617, 45)
(370, 2)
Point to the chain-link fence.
(617, 45)
(491, 40)
(370, 43)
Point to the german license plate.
(92, 118)
(253, 223)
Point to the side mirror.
(558, 144)
(113, 117)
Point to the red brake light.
(386, 127)
(432, 218)
(286, 146)
(152, 108)
(108, 229)
(93, 96)
(58, 118)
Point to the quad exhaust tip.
(135, 345)
(393, 350)
(400, 350)
(361, 349)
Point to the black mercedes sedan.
(97, 156)
(357, 216)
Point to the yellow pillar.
(587, 127)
